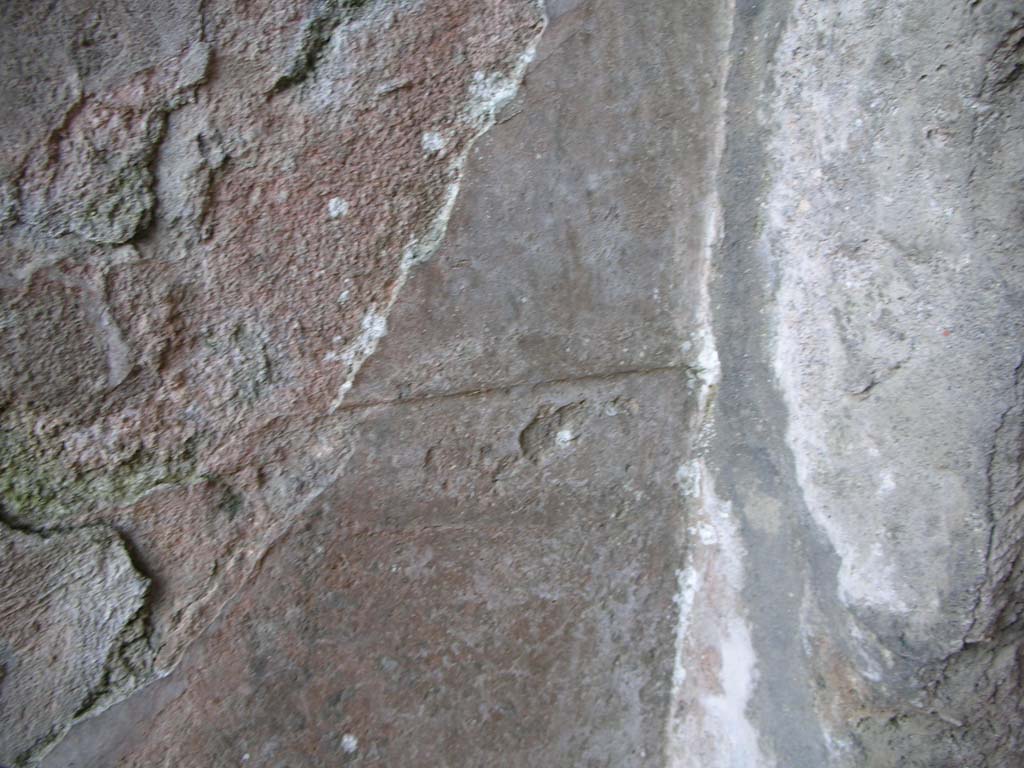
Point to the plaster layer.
(867, 302)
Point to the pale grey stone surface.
(883, 280)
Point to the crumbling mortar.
(707, 372)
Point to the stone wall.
(588, 383)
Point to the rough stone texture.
(208, 212)
(70, 609)
(421, 382)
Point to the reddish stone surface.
(184, 289)
(448, 602)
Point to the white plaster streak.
(688, 581)
(349, 744)
(487, 95)
(715, 667)
(726, 712)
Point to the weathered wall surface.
(867, 306)
(419, 382)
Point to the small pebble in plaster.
(564, 436)
(433, 142)
(343, 296)
(349, 743)
(688, 479)
(705, 532)
(336, 207)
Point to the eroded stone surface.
(68, 605)
(491, 575)
(208, 212)
(448, 601)
(675, 420)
